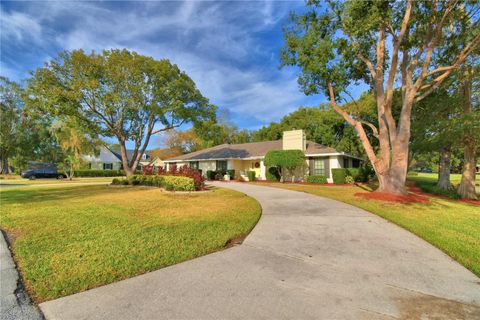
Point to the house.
(319, 159)
(108, 159)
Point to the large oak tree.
(121, 94)
(386, 44)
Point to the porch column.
(262, 171)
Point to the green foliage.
(177, 183)
(272, 174)
(211, 174)
(412, 173)
(285, 158)
(320, 125)
(349, 180)
(251, 175)
(231, 173)
(170, 183)
(339, 175)
(317, 179)
(118, 93)
(99, 173)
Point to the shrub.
(195, 174)
(211, 175)
(116, 181)
(218, 175)
(231, 173)
(338, 175)
(147, 170)
(251, 175)
(178, 183)
(272, 174)
(355, 173)
(172, 168)
(134, 180)
(124, 182)
(349, 180)
(317, 179)
(285, 159)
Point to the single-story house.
(108, 159)
(249, 157)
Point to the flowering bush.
(172, 169)
(147, 170)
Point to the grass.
(22, 181)
(71, 238)
(452, 226)
(428, 183)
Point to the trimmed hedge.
(339, 175)
(211, 175)
(99, 173)
(251, 175)
(176, 183)
(272, 174)
(317, 179)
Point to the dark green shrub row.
(251, 175)
(177, 183)
(99, 173)
(339, 175)
(273, 174)
(317, 179)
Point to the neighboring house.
(112, 160)
(249, 156)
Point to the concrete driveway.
(307, 258)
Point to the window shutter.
(311, 166)
(103, 166)
(326, 165)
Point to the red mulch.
(410, 198)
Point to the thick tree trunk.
(123, 152)
(4, 167)
(466, 189)
(444, 168)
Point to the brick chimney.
(294, 140)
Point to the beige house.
(249, 157)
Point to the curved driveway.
(308, 257)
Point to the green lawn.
(452, 226)
(71, 238)
(427, 182)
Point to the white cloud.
(217, 44)
(18, 26)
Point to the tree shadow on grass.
(45, 194)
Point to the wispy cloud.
(230, 49)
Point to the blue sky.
(230, 49)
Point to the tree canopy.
(118, 93)
(384, 44)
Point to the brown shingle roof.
(247, 150)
